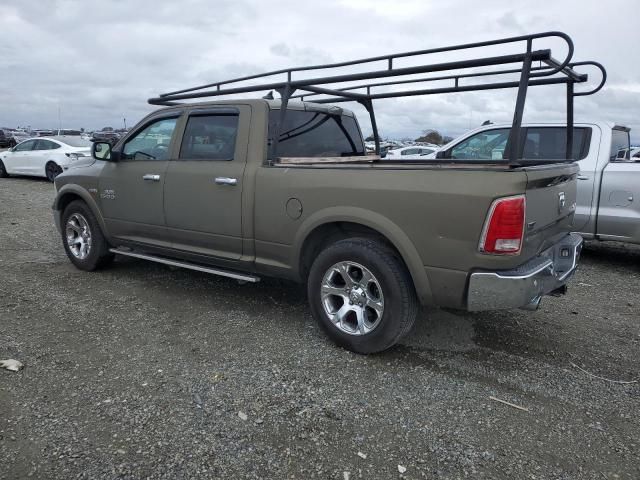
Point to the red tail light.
(504, 228)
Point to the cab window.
(151, 143)
(210, 137)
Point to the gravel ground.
(144, 371)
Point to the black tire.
(98, 255)
(3, 170)
(400, 300)
(52, 170)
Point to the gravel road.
(144, 371)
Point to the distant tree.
(82, 130)
(446, 139)
(431, 136)
(370, 138)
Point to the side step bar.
(191, 266)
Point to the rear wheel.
(362, 295)
(52, 170)
(83, 239)
(3, 170)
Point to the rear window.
(76, 142)
(550, 143)
(315, 134)
(619, 142)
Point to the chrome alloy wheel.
(352, 298)
(78, 236)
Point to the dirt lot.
(146, 371)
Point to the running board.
(191, 266)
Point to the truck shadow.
(621, 255)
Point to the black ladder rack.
(549, 72)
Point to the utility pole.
(124, 121)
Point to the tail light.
(504, 227)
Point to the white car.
(409, 153)
(43, 156)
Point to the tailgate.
(551, 204)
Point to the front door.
(131, 189)
(17, 161)
(203, 189)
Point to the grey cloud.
(100, 61)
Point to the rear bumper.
(525, 285)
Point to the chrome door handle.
(151, 177)
(226, 181)
(582, 177)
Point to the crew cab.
(248, 188)
(608, 198)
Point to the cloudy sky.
(94, 63)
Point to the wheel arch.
(69, 193)
(330, 225)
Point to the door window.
(151, 143)
(488, 145)
(25, 146)
(46, 145)
(210, 137)
(410, 151)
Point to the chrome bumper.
(523, 287)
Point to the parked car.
(19, 136)
(608, 199)
(258, 187)
(68, 132)
(43, 156)
(409, 153)
(107, 135)
(6, 139)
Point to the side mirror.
(102, 151)
(441, 154)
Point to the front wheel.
(362, 295)
(52, 170)
(84, 242)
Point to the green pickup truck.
(261, 187)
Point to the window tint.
(25, 146)
(46, 145)
(410, 151)
(550, 143)
(619, 141)
(152, 143)
(316, 134)
(488, 145)
(210, 137)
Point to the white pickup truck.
(608, 201)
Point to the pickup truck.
(262, 187)
(608, 199)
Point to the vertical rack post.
(285, 94)
(514, 135)
(570, 98)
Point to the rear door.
(131, 189)
(203, 189)
(40, 155)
